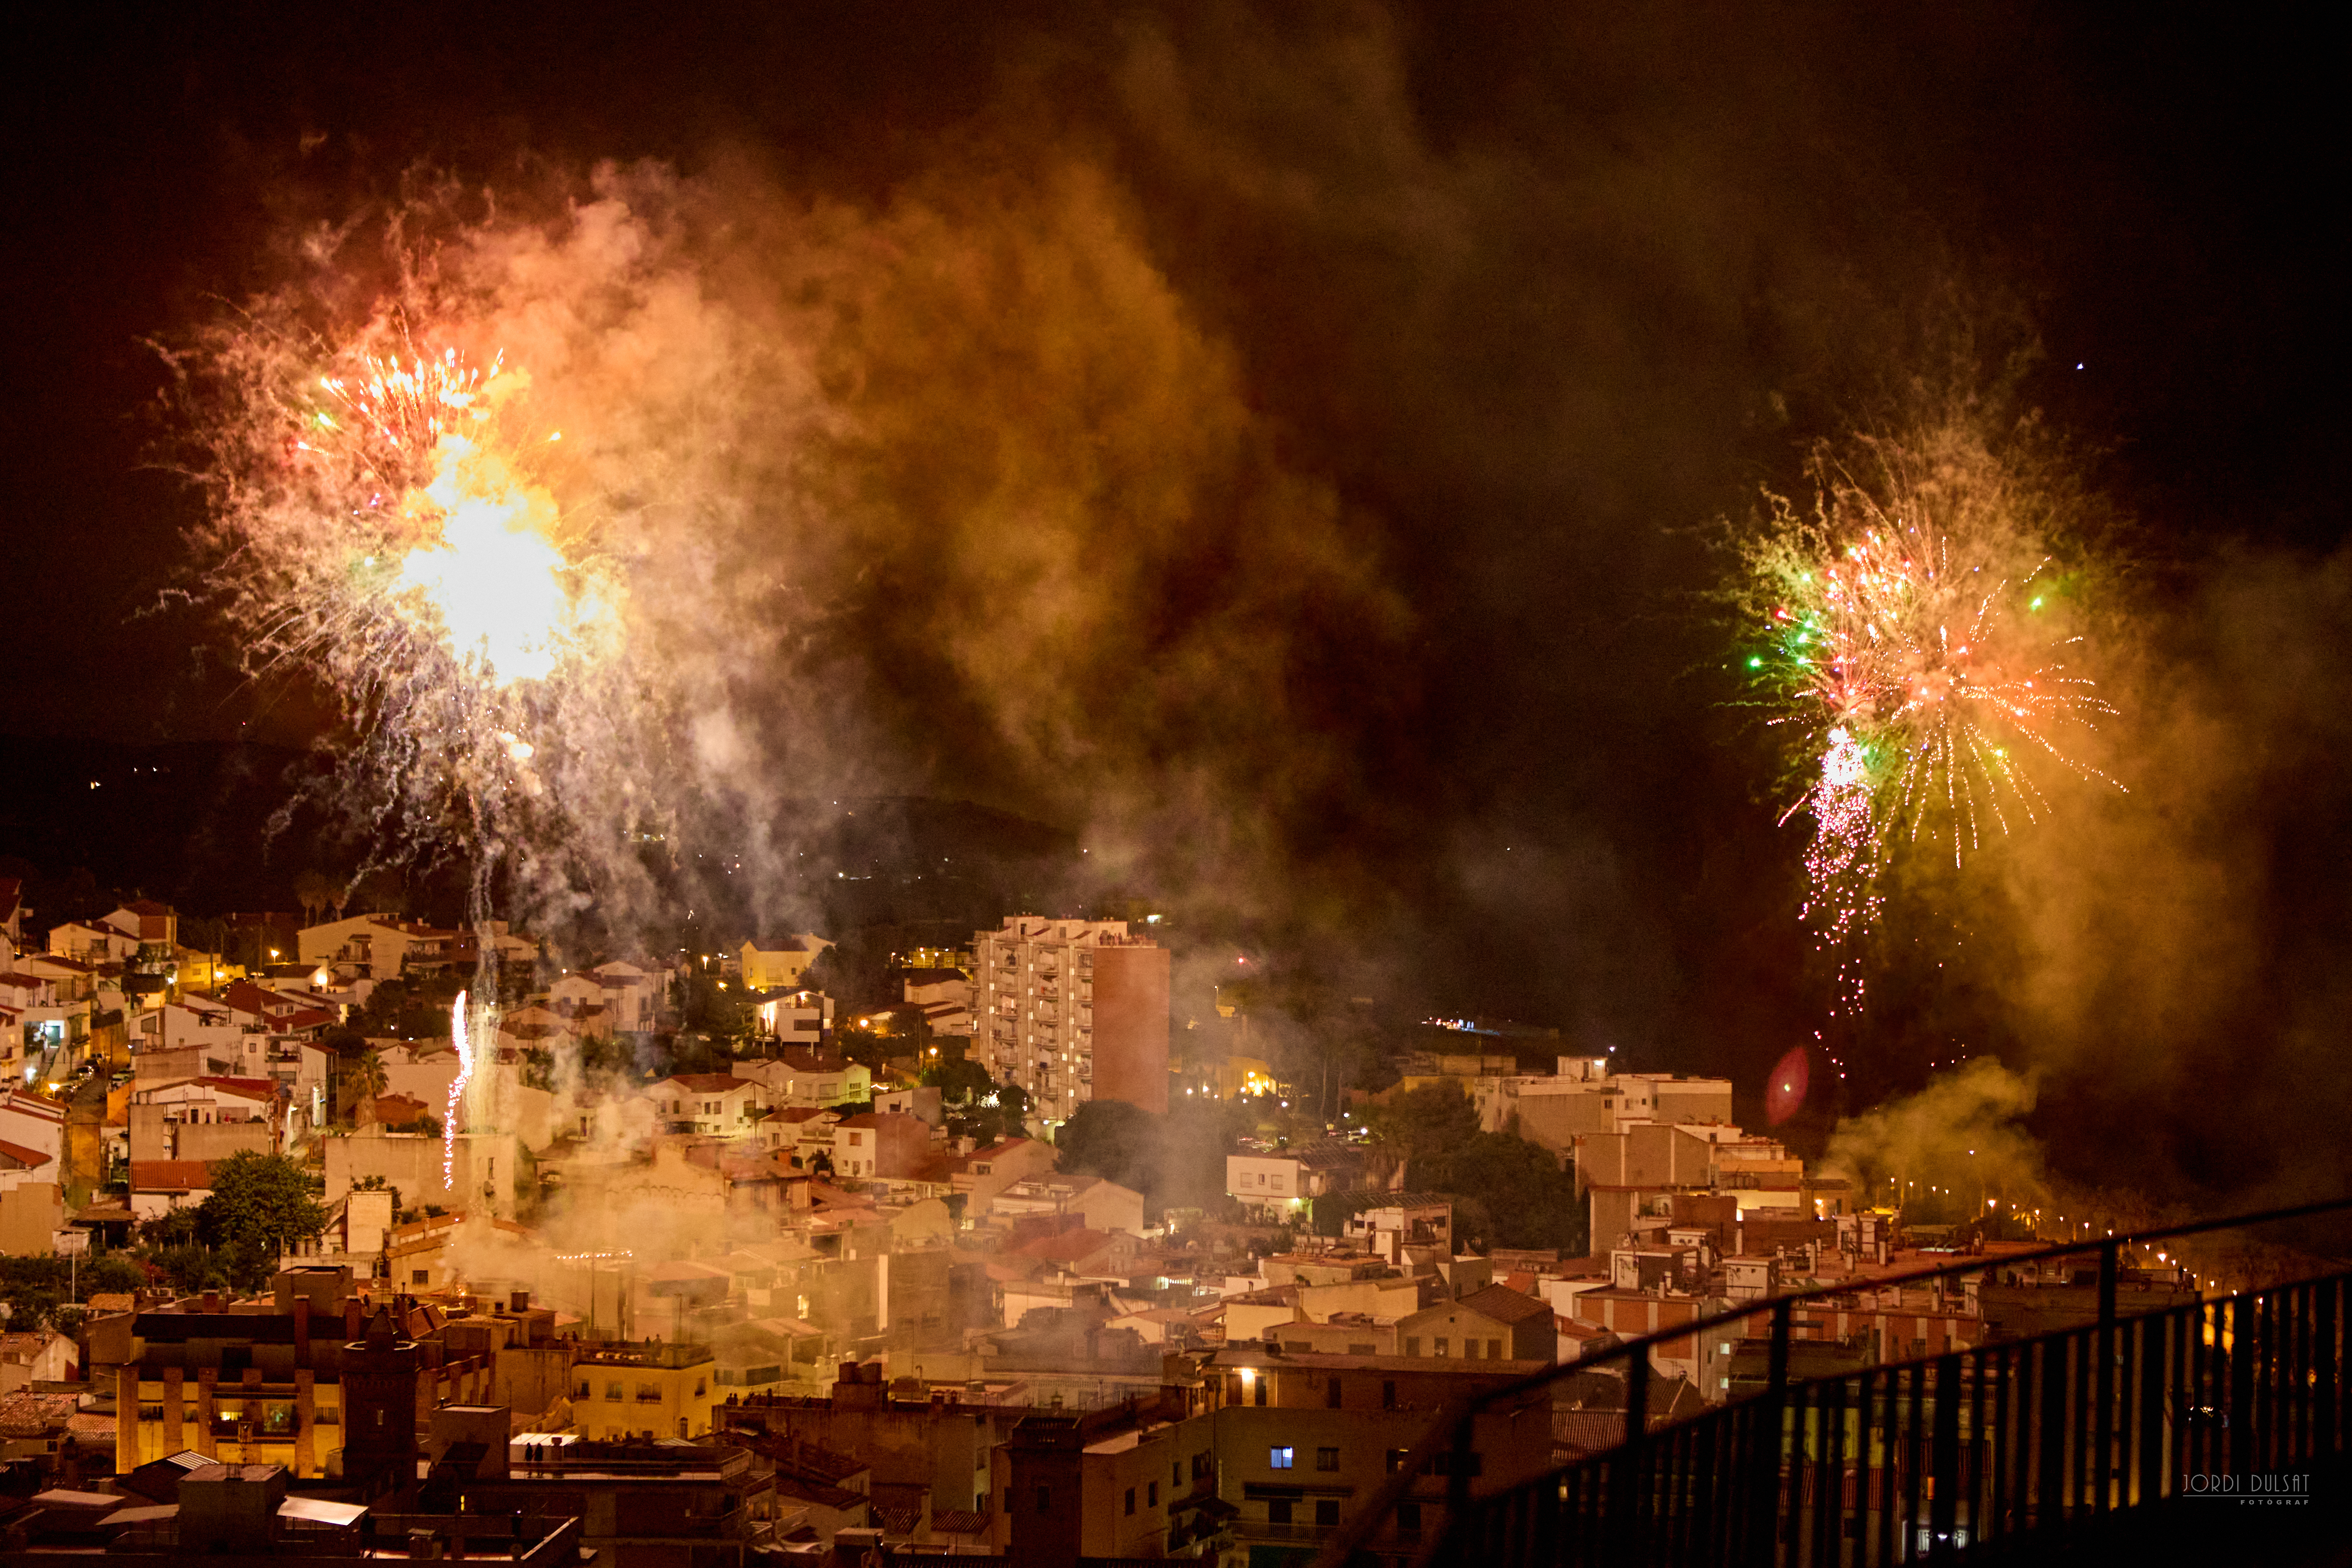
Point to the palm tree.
(365, 1081)
(315, 890)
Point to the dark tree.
(262, 1202)
(1116, 1141)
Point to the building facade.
(1073, 1010)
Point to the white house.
(92, 943)
(1288, 1179)
(632, 994)
(379, 946)
(809, 1078)
(777, 963)
(710, 1103)
(796, 1018)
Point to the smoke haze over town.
(1256, 511)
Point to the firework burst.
(1904, 637)
(388, 523)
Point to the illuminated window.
(1278, 1458)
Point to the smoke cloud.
(1949, 1149)
(1268, 447)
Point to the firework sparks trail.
(462, 1037)
(1902, 652)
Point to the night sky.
(1524, 297)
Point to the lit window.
(1279, 1458)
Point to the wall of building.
(1131, 1026)
(412, 1163)
(31, 1215)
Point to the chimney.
(352, 1318)
(520, 1303)
(212, 1300)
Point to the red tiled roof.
(1068, 1247)
(711, 1083)
(830, 1197)
(1505, 1305)
(243, 1088)
(36, 1415)
(170, 1176)
(25, 1158)
(780, 945)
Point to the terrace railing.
(2014, 1445)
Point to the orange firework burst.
(1903, 635)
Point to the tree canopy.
(1116, 1141)
(1176, 1160)
(1508, 1192)
(259, 1202)
(1422, 1125)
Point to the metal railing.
(2008, 1442)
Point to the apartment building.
(622, 1389)
(1073, 1010)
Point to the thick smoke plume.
(1955, 1149)
(960, 461)
(1262, 442)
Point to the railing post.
(1457, 1483)
(2329, 1390)
(1766, 1527)
(1776, 1367)
(2103, 1455)
(1625, 1485)
(1944, 1460)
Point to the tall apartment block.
(1073, 1010)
